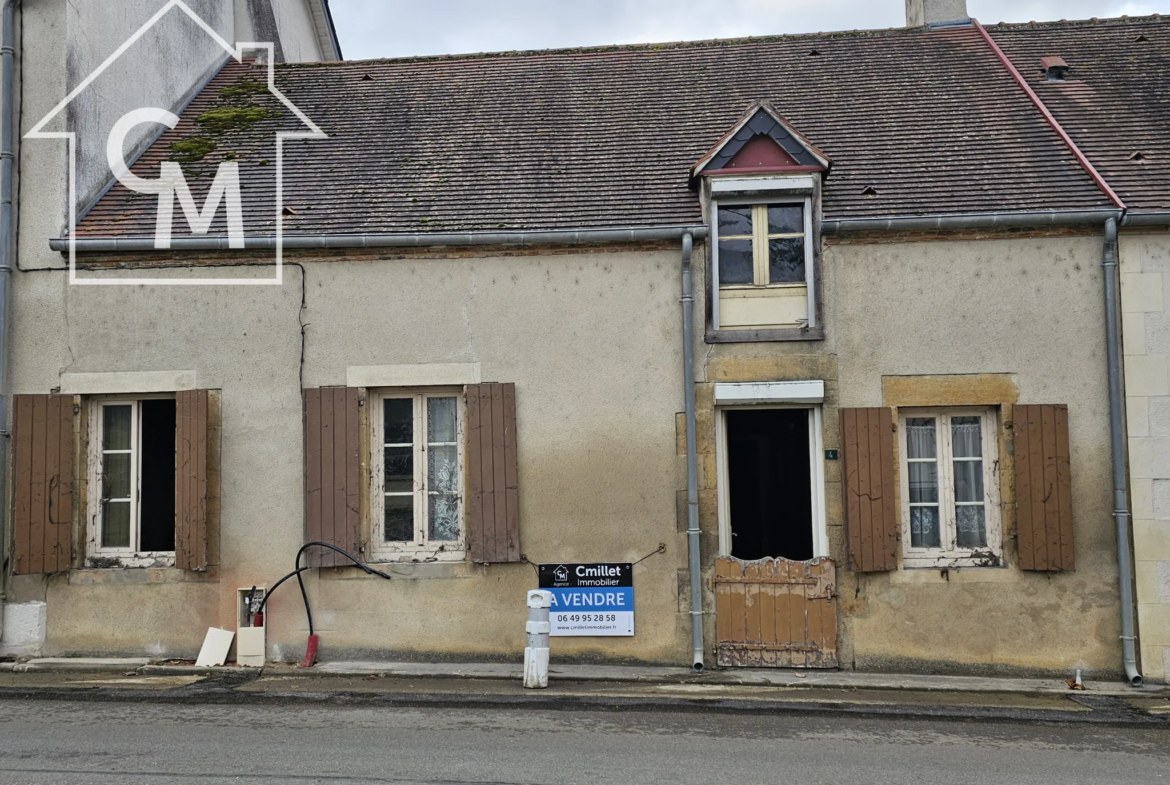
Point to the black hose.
(299, 569)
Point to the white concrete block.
(1164, 581)
(1146, 375)
(1137, 416)
(1161, 498)
(25, 625)
(1129, 255)
(1141, 292)
(1149, 457)
(1141, 502)
(1133, 333)
(1158, 415)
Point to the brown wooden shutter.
(493, 512)
(867, 467)
(332, 473)
(192, 486)
(1043, 487)
(42, 522)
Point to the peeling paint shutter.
(193, 448)
(1043, 487)
(867, 455)
(332, 473)
(42, 522)
(493, 512)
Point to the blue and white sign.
(590, 599)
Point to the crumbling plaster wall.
(590, 339)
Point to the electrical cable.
(311, 651)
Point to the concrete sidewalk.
(617, 674)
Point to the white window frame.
(130, 556)
(420, 549)
(950, 555)
(816, 474)
(778, 200)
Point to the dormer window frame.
(738, 190)
(759, 205)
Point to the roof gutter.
(970, 221)
(1147, 219)
(416, 240)
(1082, 159)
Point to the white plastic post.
(536, 649)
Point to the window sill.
(403, 571)
(138, 576)
(983, 561)
(761, 336)
(131, 561)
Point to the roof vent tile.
(1053, 67)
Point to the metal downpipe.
(695, 564)
(1117, 450)
(7, 159)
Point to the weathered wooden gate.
(776, 613)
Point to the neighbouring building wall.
(63, 43)
(163, 69)
(298, 31)
(590, 340)
(1145, 308)
(1026, 315)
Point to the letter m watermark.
(172, 185)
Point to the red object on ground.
(310, 653)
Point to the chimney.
(936, 13)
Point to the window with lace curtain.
(950, 500)
(416, 471)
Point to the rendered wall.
(587, 338)
(1028, 312)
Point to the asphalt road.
(141, 742)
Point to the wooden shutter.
(192, 487)
(1043, 487)
(42, 522)
(867, 466)
(493, 512)
(332, 474)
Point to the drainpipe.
(1117, 445)
(688, 311)
(7, 157)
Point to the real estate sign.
(590, 599)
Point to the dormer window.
(762, 184)
(762, 245)
(763, 258)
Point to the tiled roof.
(603, 138)
(1115, 99)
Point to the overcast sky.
(398, 28)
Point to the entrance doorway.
(775, 588)
(769, 484)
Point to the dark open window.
(769, 484)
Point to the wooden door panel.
(776, 613)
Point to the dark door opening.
(157, 508)
(769, 484)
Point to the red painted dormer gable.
(761, 141)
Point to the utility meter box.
(251, 627)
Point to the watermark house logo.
(172, 184)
